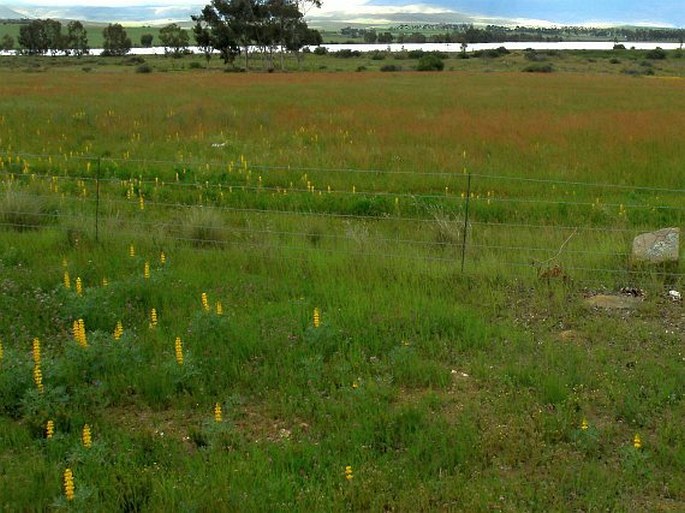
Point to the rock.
(660, 247)
(614, 302)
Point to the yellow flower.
(79, 286)
(118, 330)
(131, 251)
(141, 203)
(317, 318)
(637, 441)
(205, 302)
(219, 308)
(146, 271)
(348, 472)
(162, 258)
(153, 317)
(179, 350)
(38, 378)
(69, 484)
(105, 282)
(85, 437)
(67, 280)
(217, 412)
(78, 329)
(49, 429)
(584, 425)
(36, 351)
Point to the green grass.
(443, 390)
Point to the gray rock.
(614, 302)
(658, 247)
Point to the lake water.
(442, 47)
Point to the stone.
(660, 247)
(614, 302)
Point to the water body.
(441, 47)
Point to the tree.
(116, 41)
(232, 26)
(214, 28)
(32, 38)
(385, 37)
(204, 41)
(146, 40)
(77, 39)
(174, 39)
(53, 34)
(370, 36)
(7, 43)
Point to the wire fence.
(467, 221)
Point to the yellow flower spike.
(86, 437)
(79, 286)
(36, 351)
(38, 378)
(217, 412)
(69, 484)
(75, 330)
(153, 318)
(49, 429)
(79, 328)
(348, 472)
(146, 271)
(118, 330)
(205, 302)
(219, 308)
(105, 282)
(178, 346)
(584, 425)
(67, 280)
(317, 318)
(141, 203)
(131, 251)
(637, 441)
(162, 258)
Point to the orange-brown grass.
(570, 126)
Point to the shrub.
(539, 68)
(21, 211)
(320, 50)
(615, 61)
(195, 65)
(203, 227)
(619, 46)
(377, 55)
(391, 67)
(347, 53)
(415, 54)
(656, 54)
(144, 68)
(430, 62)
(133, 60)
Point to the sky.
(562, 12)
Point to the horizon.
(663, 13)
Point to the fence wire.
(514, 229)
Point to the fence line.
(291, 168)
(439, 231)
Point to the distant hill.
(124, 15)
(9, 14)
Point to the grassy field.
(299, 237)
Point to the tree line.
(228, 27)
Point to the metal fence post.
(97, 201)
(466, 222)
